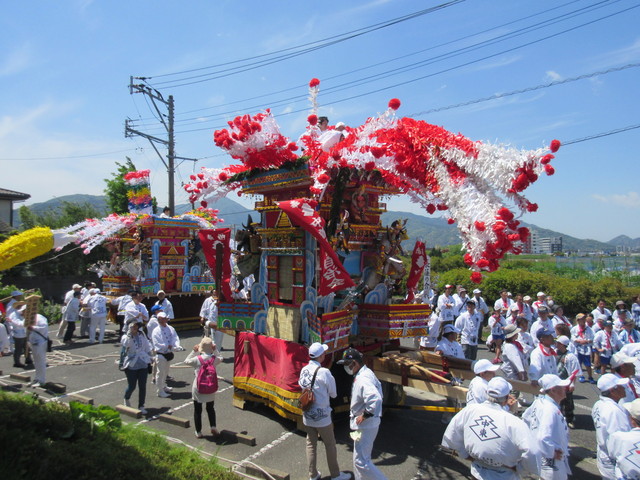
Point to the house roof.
(13, 195)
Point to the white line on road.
(267, 447)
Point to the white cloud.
(629, 200)
(628, 54)
(498, 63)
(16, 61)
(553, 76)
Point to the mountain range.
(434, 231)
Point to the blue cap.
(544, 332)
(155, 308)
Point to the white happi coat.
(549, 428)
(499, 442)
(624, 447)
(608, 417)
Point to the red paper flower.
(451, 221)
(476, 277)
(312, 119)
(468, 259)
(532, 207)
(555, 145)
(223, 177)
(323, 178)
(480, 226)
(483, 263)
(204, 204)
(549, 169)
(547, 158)
(394, 104)
(314, 83)
(369, 166)
(505, 214)
(431, 208)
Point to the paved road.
(406, 446)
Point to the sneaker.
(153, 380)
(168, 389)
(127, 402)
(592, 381)
(571, 425)
(143, 410)
(199, 435)
(162, 394)
(342, 476)
(317, 477)
(581, 379)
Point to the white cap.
(608, 381)
(550, 380)
(76, 286)
(526, 298)
(498, 387)
(619, 359)
(477, 290)
(541, 294)
(633, 408)
(340, 124)
(160, 292)
(449, 329)
(563, 339)
(316, 349)
(161, 315)
(484, 365)
(94, 291)
(16, 293)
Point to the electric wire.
(68, 157)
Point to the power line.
(312, 46)
(603, 134)
(70, 157)
(525, 90)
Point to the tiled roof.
(13, 195)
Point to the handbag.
(49, 341)
(149, 368)
(307, 396)
(168, 356)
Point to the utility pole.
(167, 121)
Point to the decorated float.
(329, 270)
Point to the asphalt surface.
(406, 446)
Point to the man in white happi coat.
(623, 366)
(624, 446)
(515, 362)
(601, 312)
(165, 343)
(504, 302)
(448, 344)
(549, 428)
(461, 298)
(582, 338)
(98, 305)
(38, 339)
(317, 419)
(166, 305)
(609, 417)
(209, 319)
(543, 357)
(542, 323)
(468, 322)
(446, 304)
(67, 298)
(364, 413)
(482, 308)
(497, 443)
(485, 371)
(135, 311)
(541, 299)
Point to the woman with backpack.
(204, 358)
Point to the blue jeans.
(140, 377)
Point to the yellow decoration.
(25, 246)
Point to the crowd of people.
(535, 342)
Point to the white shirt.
(431, 339)
(569, 363)
(497, 325)
(209, 310)
(452, 349)
(16, 320)
(481, 305)
(468, 325)
(494, 438)
(152, 324)
(477, 392)
(324, 388)
(513, 361)
(541, 364)
(98, 305)
(597, 313)
(460, 304)
(527, 342)
(137, 351)
(42, 327)
(623, 447)
(549, 428)
(165, 339)
(71, 310)
(366, 395)
(610, 347)
(539, 324)
(500, 304)
(608, 417)
(587, 334)
(446, 307)
(167, 307)
(135, 313)
(122, 302)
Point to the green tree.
(116, 189)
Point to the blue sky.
(65, 68)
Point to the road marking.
(583, 407)
(267, 447)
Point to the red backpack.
(207, 381)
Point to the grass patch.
(53, 441)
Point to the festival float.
(327, 269)
(320, 264)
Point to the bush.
(50, 440)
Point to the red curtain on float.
(210, 239)
(418, 262)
